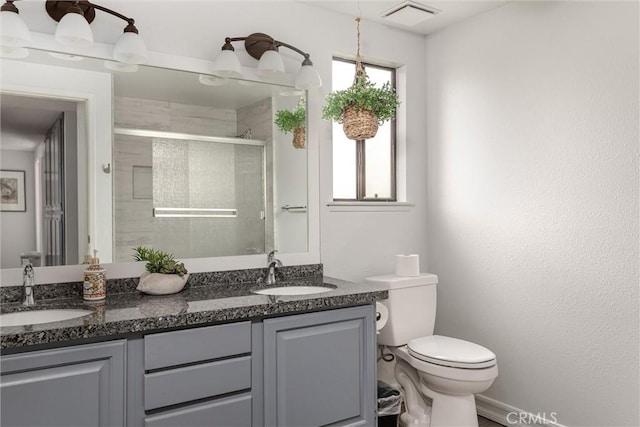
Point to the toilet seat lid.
(447, 351)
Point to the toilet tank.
(411, 305)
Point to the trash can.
(389, 405)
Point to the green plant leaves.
(287, 121)
(159, 261)
(363, 94)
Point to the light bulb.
(73, 30)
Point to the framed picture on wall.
(13, 191)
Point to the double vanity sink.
(210, 299)
(224, 351)
(39, 316)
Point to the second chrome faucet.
(28, 280)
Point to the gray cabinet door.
(72, 386)
(319, 369)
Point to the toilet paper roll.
(382, 315)
(408, 265)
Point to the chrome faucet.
(272, 264)
(28, 280)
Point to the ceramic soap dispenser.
(95, 281)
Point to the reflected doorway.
(40, 137)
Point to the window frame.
(361, 148)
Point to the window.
(364, 170)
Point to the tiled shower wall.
(232, 179)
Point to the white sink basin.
(39, 316)
(293, 290)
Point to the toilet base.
(450, 411)
(428, 408)
(437, 397)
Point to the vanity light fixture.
(73, 30)
(264, 48)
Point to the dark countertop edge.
(76, 334)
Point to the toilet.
(439, 375)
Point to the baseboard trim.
(510, 415)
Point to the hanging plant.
(294, 121)
(362, 107)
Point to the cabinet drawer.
(193, 345)
(233, 411)
(196, 382)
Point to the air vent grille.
(410, 13)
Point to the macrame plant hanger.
(359, 123)
(300, 133)
(359, 67)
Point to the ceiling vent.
(410, 13)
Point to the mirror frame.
(100, 147)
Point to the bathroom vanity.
(238, 359)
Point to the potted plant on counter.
(294, 121)
(164, 274)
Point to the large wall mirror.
(113, 158)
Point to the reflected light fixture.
(13, 52)
(120, 67)
(211, 80)
(264, 48)
(66, 56)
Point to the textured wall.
(532, 122)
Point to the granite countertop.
(132, 312)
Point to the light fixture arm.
(293, 48)
(130, 21)
(257, 43)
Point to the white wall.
(532, 114)
(18, 229)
